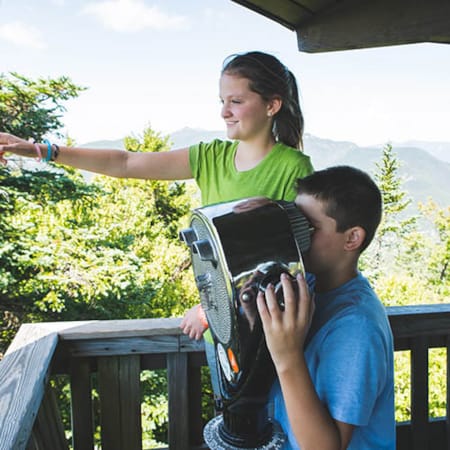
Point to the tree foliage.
(73, 249)
(34, 108)
(384, 249)
(26, 215)
(104, 250)
(408, 260)
(407, 263)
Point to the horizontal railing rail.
(117, 351)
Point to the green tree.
(439, 256)
(108, 249)
(395, 223)
(104, 250)
(34, 108)
(26, 201)
(73, 250)
(408, 264)
(29, 108)
(408, 259)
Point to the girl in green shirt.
(263, 157)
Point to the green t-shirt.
(213, 168)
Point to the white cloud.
(22, 35)
(133, 15)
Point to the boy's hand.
(194, 322)
(286, 331)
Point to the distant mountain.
(440, 150)
(325, 152)
(114, 144)
(178, 139)
(189, 136)
(423, 174)
(425, 166)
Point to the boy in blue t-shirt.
(333, 352)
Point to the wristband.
(49, 150)
(38, 151)
(55, 153)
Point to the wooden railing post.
(177, 376)
(48, 429)
(120, 402)
(23, 375)
(81, 404)
(195, 406)
(419, 393)
(447, 418)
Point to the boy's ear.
(354, 238)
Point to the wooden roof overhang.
(331, 25)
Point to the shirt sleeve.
(194, 159)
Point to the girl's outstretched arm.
(170, 165)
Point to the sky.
(157, 63)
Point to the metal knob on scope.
(204, 249)
(188, 236)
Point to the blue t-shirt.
(349, 353)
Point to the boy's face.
(327, 245)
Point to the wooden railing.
(418, 329)
(117, 351)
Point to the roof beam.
(287, 12)
(352, 24)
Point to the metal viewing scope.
(237, 249)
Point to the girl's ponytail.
(288, 122)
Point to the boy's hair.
(350, 197)
(270, 78)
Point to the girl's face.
(246, 114)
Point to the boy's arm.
(285, 333)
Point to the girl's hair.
(269, 78)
